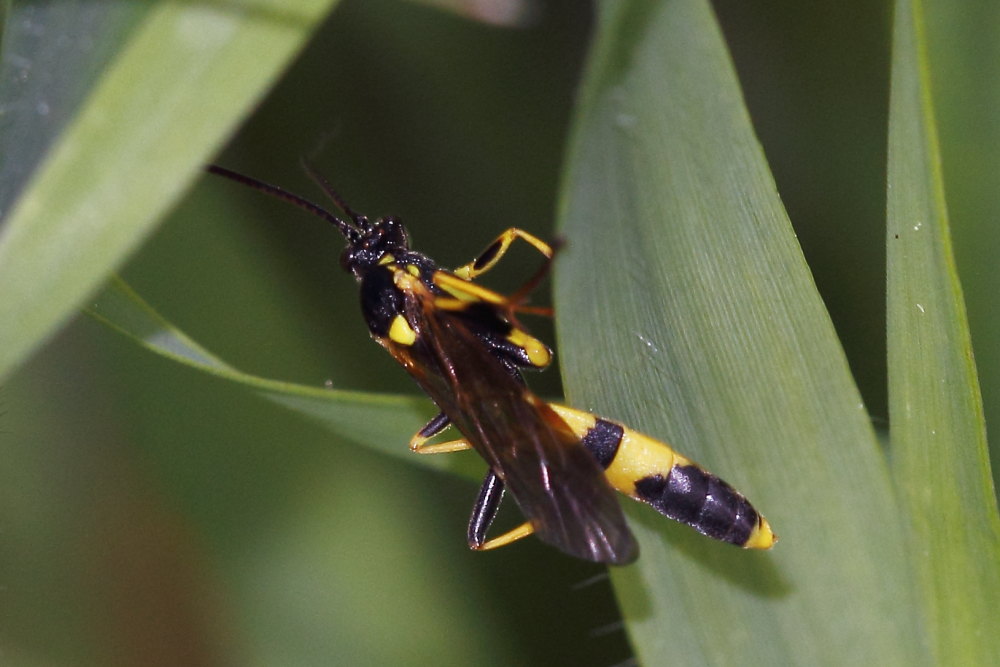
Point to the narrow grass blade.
(164, 104)
(938, 436)
(381, 422)
(685, 308)
(964, 61)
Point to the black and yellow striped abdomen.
(651, 472)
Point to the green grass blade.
(685, 308)
(381, 422)
(938, 437)
(964, 56)
(161, 108)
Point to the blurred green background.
(142, 524)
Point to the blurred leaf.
(52, 55)
(938, 436)
(164, 104)
(507, 13)
(685, 308)
(382, 422)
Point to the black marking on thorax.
(381, 300)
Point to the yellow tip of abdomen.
(762, 536)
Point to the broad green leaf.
(685, 308)
(938, 435)
(382, 422)
(164, 104)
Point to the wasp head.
(369, 242)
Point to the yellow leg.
(417, 445)
(513, 535)
(464, 292)
(494, 251)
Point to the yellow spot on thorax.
(407, 281)
(401, 332)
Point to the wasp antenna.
(345, 228)
(325, 185)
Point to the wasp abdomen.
(698, 498)
(652, 472)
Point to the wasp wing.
(555, 481)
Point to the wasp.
(466, 349)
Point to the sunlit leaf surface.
(685, 308)
(938, 436)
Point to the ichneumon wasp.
(465, 347)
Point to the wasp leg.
(517, 345)
(465, 293)
(431, 429)
(485, 510)
(416, 444)
(510, 536)
(496, 250)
